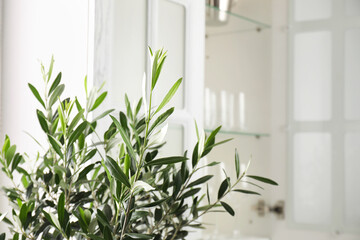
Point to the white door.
(314, 119)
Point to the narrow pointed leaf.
(162, 118)
(77, 132)
(55, 83)
(61, 209)
(237, 164)
(42, 121)
(56, 146)
(200, 181)
(56, 94)
(124, 137)
(262, 179)
(116, 171)
(75, 120)
(36, 94)
(223, 187)
(167, 160)
(246, 191)
(169, 95)
(98, 101)
(228, 208)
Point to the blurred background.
(281, 76)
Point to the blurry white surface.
(312, 178)
(353, 7)
(171, 36)
(352, 179)
(352, 73)
(306, 10)
(312, 76)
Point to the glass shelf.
(219, 22)
(241, 133)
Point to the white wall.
(32, 32)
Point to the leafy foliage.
(115, 187)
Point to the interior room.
(281, 78)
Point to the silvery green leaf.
(158, 137)
(143, 185)
(201, 143)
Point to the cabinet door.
(124, 29)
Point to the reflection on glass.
(352, 73)
(353, 7)
(312, 76)
(312, 178)
(352, 179)
(305, 10)
(171, 35)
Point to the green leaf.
(128, 107)
(251, 183)
(10, 154)
(166, 160)
(200, 181)
(50, 68)
(17, 159)
(263, 179)
(42, 121)
(98, 101)
(228, 208)
(237, 163)
(107, 233)
(190, 193)
(23, 214)
(101, 217)
(223, 187)
(207, 193)
(169, 95)
(139, 236)
(195, 155)
(61, 209)
(77, 132)
(2, 236)
(55, 83)
(6, 144)
(56, 145)
(212, 136)
(75, 120)
(162, 118)
(36, 94)
(89, 156)
(124, 137)
(138, 106)
(246, 191)
(56, 94)
(52, 219)
(154, 68)
(116, 171)
(62, 119)
(85, 171)
(104, 114)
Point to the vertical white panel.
(312, 76)
(174, 141)
(305, 10)
(171, 37)
(352, 179)
(353, 7)
(352, 73)
(312, 178)
(128, 51)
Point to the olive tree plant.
(87, 185)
